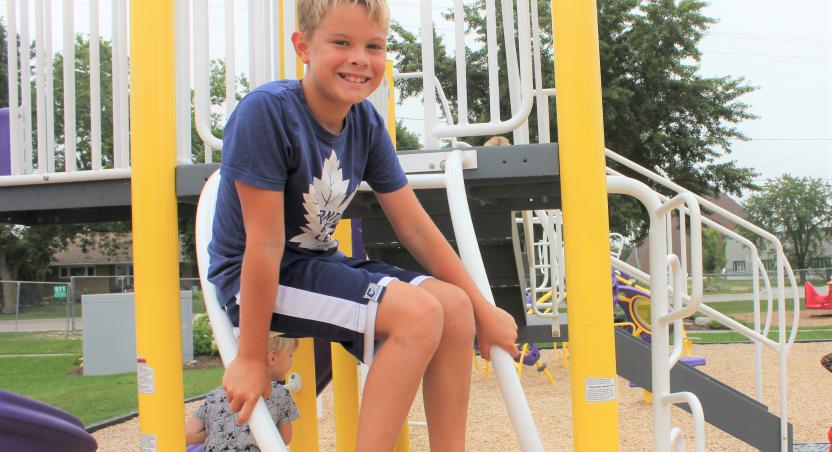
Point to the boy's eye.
(341, 43)
(375, 47)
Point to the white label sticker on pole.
(600, 389)
(147, 443)
(147, 383)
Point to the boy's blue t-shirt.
(273, 142)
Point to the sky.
(784, 49)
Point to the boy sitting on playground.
(214, 423)
(294, 153)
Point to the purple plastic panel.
(27, 425)
(5, 144)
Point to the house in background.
(94, 271)
(737, 255)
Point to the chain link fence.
(28, 306)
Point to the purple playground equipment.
(5, 144)
(27, 425)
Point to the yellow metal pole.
(586, 225)
(344, 370)
(305, 429)
(155, 234)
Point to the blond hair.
(278, 343)
(497, 140)
(312, 12)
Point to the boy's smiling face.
(346, 56)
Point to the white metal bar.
(527, 91)
(124, 114)
(40, 88)
(50, 87)
(443, 100)
(15, 127)
(493, 61)
(69, 85)
(543, 135)
(461, 72)
(230, 59)
(758, 349)
(513, 396)
(289, 59)
(95, 88)
(202, 100)
(428, 81)
(265, 40)
(26, 87)
(277, 39)
(697, 414)
(57, 178)
(182, 43)
(116, 81)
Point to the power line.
(767, 55)
(824, 42)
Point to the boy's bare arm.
(422, 238)
(285, 430)
(246, 378)
(195, 431)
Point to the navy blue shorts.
(334, 297)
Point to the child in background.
(215, 424)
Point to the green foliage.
(658, 111)
(203, 337)
(406, 140)
(798, 210)
(713, 251)
(4, 78)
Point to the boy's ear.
(301, 46)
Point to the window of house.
(769, 264)
(80, 270)
(124, 270)
(739, 266)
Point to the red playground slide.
(814, 300)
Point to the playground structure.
(534, 180)
(814, 300)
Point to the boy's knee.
(422, 320)
(458, 310)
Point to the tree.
(658, 111)
(406, 140)
(798, 211)
(713, 251)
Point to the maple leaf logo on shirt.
(325, 202)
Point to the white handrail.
(661, 358)
(202, 100)
(466, 240)
(261, 423)
(495, 125)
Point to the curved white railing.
(261, 423)
(662, 315)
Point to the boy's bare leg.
(410, 320)
(447, 380)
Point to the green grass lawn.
(91, 398)
(47, 311)
(721, 336)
